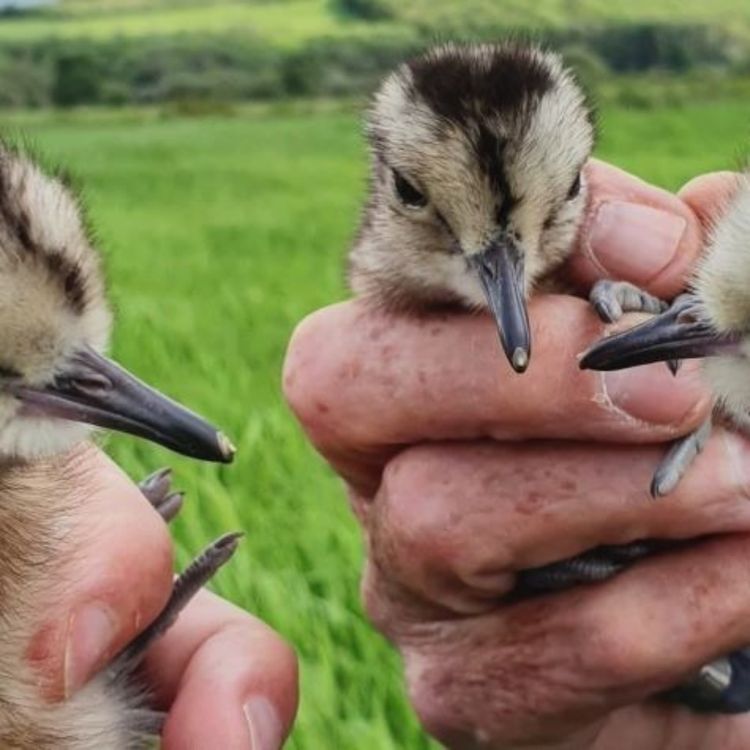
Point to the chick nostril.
(86, 383)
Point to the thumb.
(112, 570)
(637, 232)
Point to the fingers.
(646, 726)
(108, 582)
(364, 383)
(709, 194)
(545, 669)
(228, 679)
(453, 523)
(637, 232)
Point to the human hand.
(225, 678)
(433, 434)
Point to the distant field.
(285, 22)
(570, 13)
(290, 22)
(220, 235)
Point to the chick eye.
(575, 188)
(9, 373)
(407, 193)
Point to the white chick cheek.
(728, 378)
(31, 437)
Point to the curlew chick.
(55, 382)
(476, 188)
(710, 322)
(55, 385)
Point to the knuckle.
(244, 634)
(412, 527)
(435, 528)
(428, 687)
(322, 380)
(286, 661)
(304, 376)
(613, 653)
(286, 656)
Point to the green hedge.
(369, 10)
(236, 67)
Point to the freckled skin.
(610, 646)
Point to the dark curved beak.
(678, 333)
(500, 269)
(95, 390)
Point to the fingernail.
(266, 732)
(91, 633)
(653, 394)
(632, 241)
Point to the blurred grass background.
(225, 222)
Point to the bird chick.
(476, 189)
(710, 322)
(55, 382)
(55, 386)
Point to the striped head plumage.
(477, 189)
(55, 381)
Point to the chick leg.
(186, 585)
(681, 454)
(156, 489)
(722, 687)
(148, 722)
(598, 564)
(612, 299)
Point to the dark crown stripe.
(490, 150)
(17, 223)
(70, 277)
(458, 83)
(466, 86)
(63, 270)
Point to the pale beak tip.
(520, 359)
(226, 447)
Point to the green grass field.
(220, 235)
(289, 22)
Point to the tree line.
(239, 67)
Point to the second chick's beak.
(95, 390)
(677, 333)
(501, 271)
